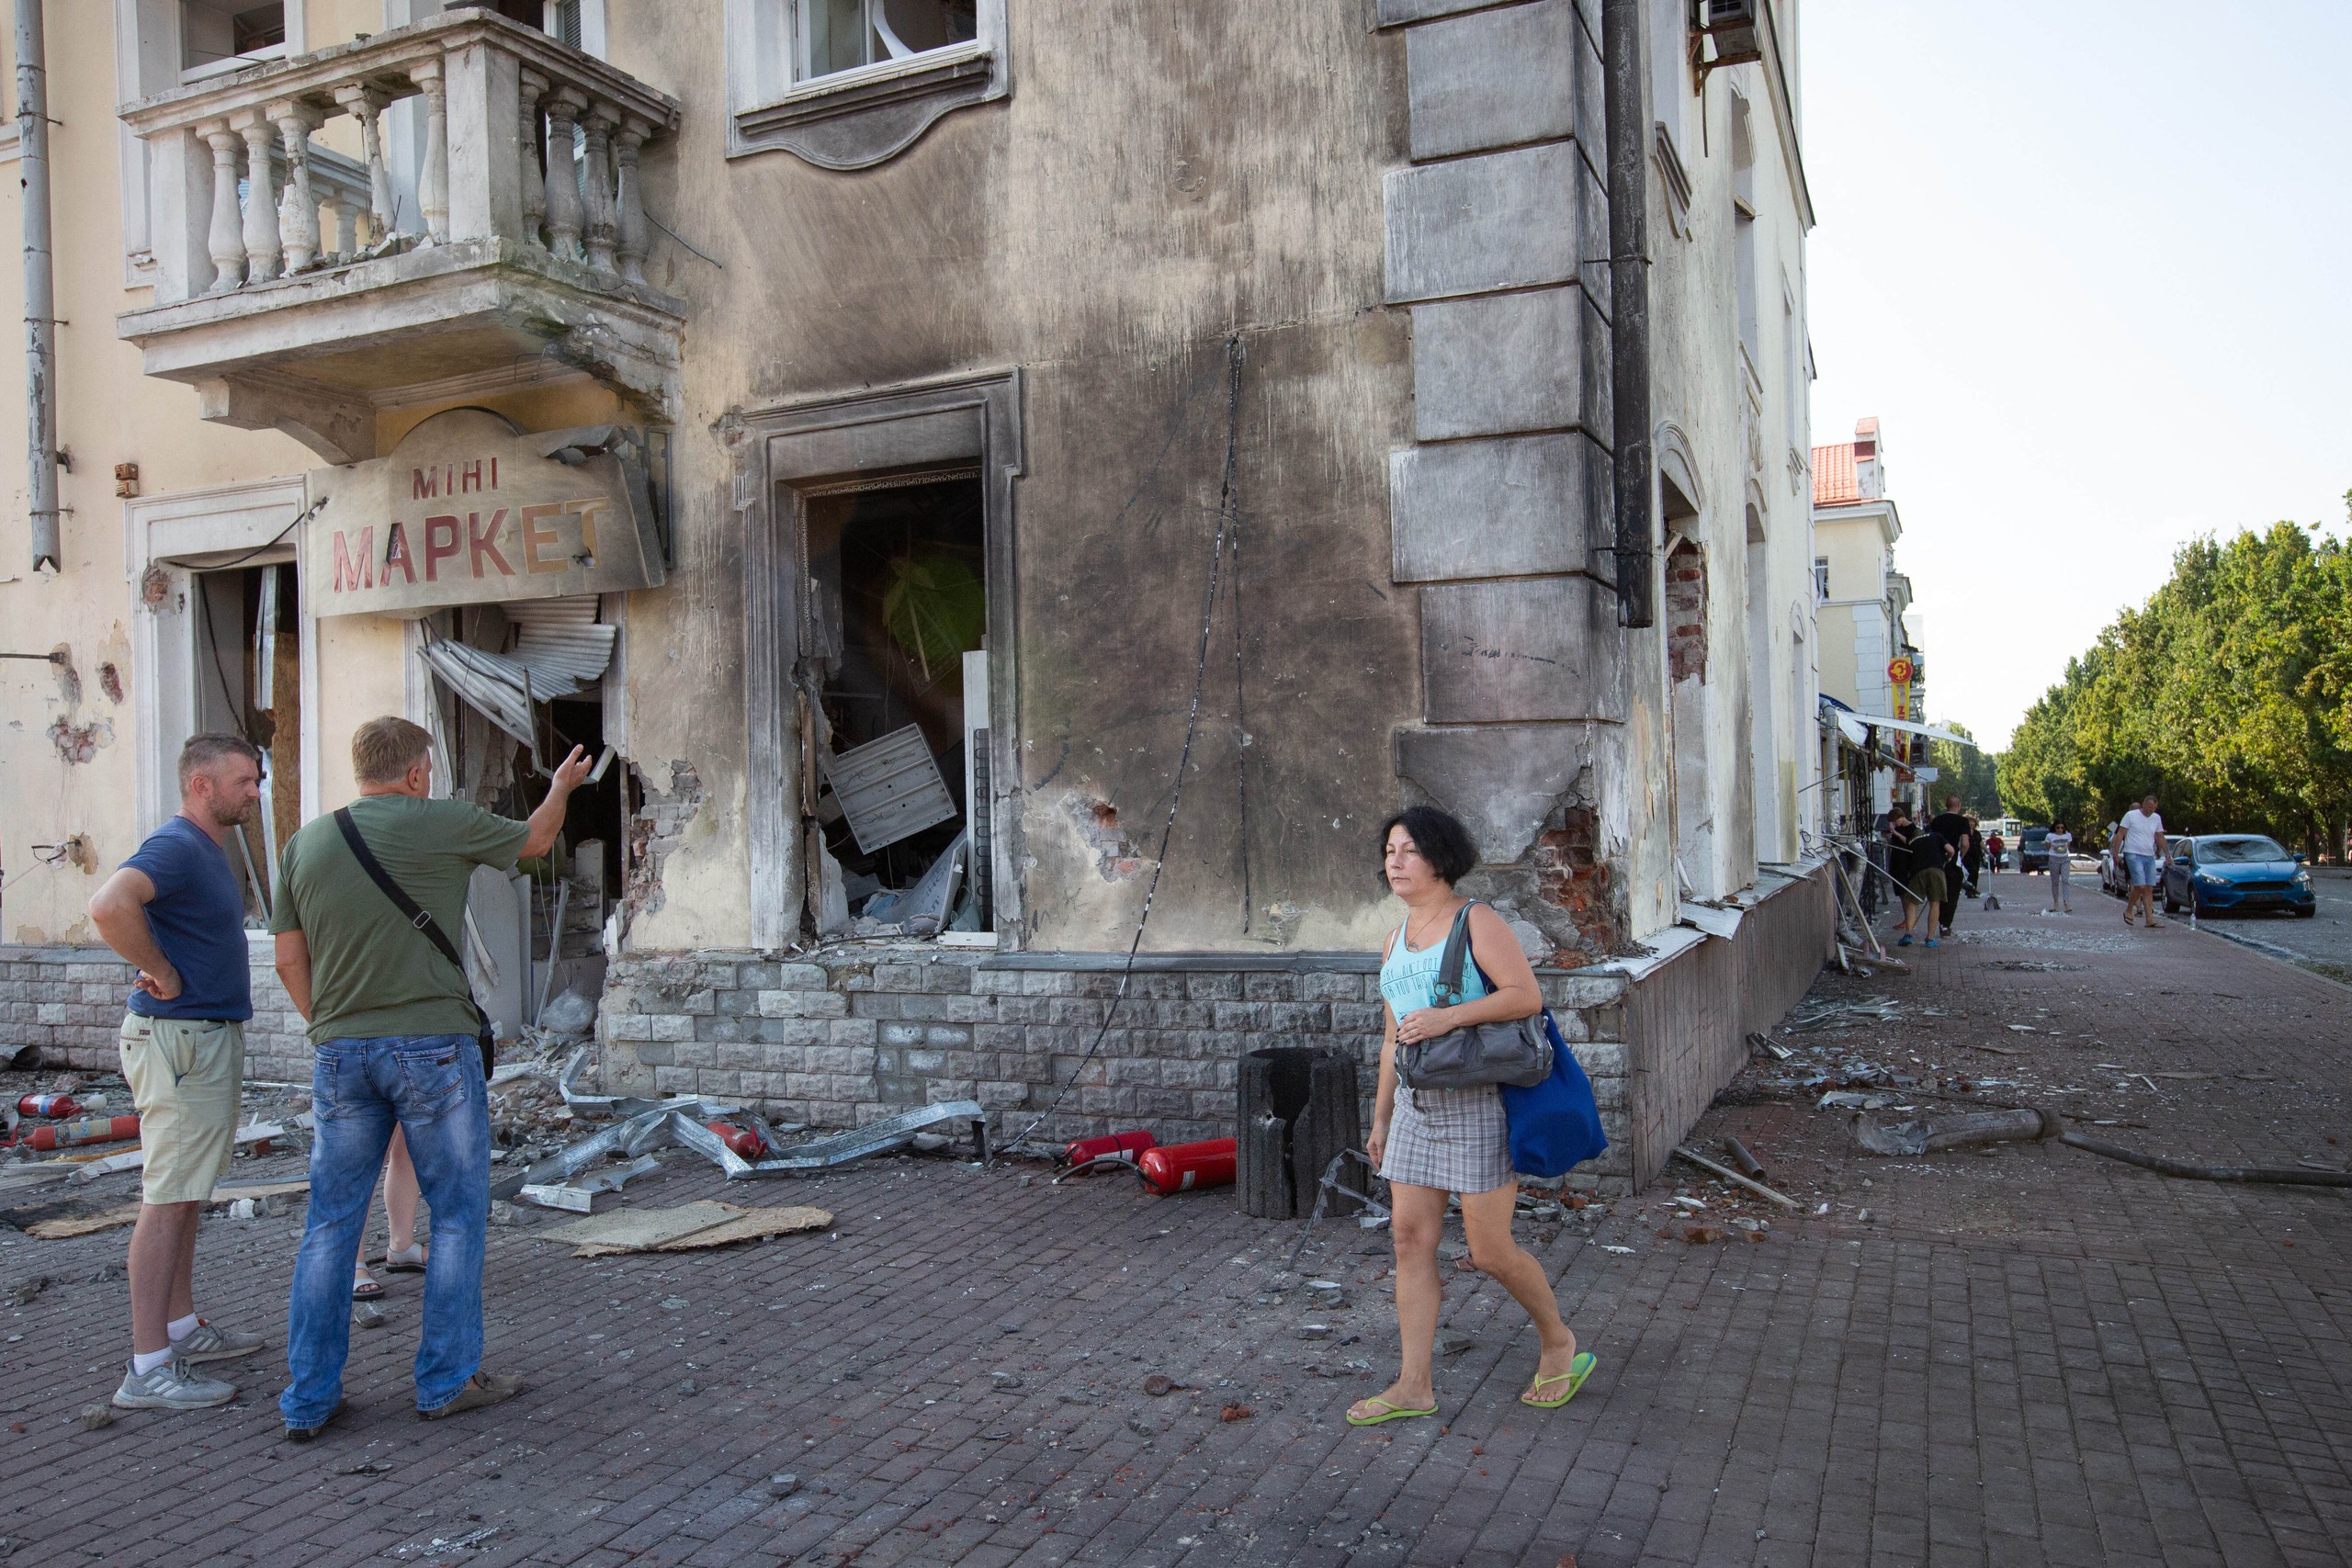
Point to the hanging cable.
(1226, 525)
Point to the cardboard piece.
(83, 1225)
(687, 1228)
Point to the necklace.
(1426, 926)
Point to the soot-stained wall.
(1161, 186)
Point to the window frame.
(854, 118)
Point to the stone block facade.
(69, 1001)
(845, 1035)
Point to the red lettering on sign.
(440, 541)
(396, 554)
(469, 477)
(481, 541)
(351, 573)
(424, 483)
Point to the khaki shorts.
(1927, 886)
(186, 1076)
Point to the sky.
(2087, 264)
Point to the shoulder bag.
(1517, 1052)
(422, 919)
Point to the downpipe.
(1627, 120)
(40, 287)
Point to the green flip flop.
(1392, 1413)
(1579, 1369)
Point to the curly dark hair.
(1443, 841)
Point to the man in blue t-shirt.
(177, 911)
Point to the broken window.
(224, 34)
(833, 35)
(516, 686)
(897, 617)
(249, 682)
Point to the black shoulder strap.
(418, 916)
(1457, 953)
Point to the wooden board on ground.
(82, 1224)
(687, 1227)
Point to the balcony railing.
(526, 161)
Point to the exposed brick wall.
(1686, 612)
(847, 1034)
(1571, 874)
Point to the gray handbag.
(1518, 1053)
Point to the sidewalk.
(2032, 1356)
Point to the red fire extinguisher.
(1180, 1167)
(49, 1105)
(1114, 1146)
(88, 1130)
(742, 1140)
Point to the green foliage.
(2228, 695)
(1966, 771)
(936, 609)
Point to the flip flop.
(366, 1287)
(1393, 1413)
(1579, 1369)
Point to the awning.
(1852, 724)
(559, 652)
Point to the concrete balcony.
(302, 290)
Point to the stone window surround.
(782, 455)
(850, 119)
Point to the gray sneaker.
(206, 1343)
(171, 1387)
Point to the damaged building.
(1013, 492)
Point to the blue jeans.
(432, 1085)
(2143, 868)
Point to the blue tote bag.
(1554, 1126)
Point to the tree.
(2228, 695)
(1966, 771)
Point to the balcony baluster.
(226, 238)
(627, 197)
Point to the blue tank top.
(1408, 979)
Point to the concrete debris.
(1158, 1385)
(823, 1154)
(1968, 1129)
(23, 1292)
(367, 1467)
(1315, 1331)
(1452, 1342)
(367, 1315)
(1236, 1413)
(96, 1417)
(784, 1485)
(1847, 1100)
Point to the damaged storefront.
(501, 549)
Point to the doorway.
(246, 622)
(898, 604)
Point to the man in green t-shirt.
(393, 1026)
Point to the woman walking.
(1433, 1142)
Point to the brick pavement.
(2035, 1356)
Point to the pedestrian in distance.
(1898, 836)
(1997, 847)
(1954, 827)
(2061, 848)
(396, 1040)
(1935, 871)
(177, 911)
(1429, 1143)
(2140, 838)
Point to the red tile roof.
(1834, 481)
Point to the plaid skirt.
(1456, 1140)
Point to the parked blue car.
(2214, 871)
